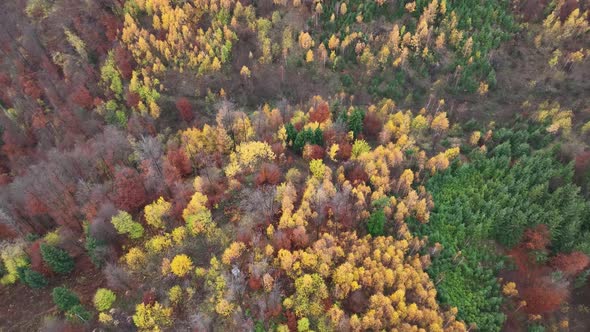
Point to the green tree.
(124, 224)
(57, 259)
(32, 278)
(355, 121)
(376, 223)
(64, 298)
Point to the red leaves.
(372, 124)
(34, 206)
(268, 174)
(179, 160)
(131, 99)
(534, 280)
(537, 238)
(82, 98)
(313, 151)
(356, 175)
(124, 61)
(129, 192)
(570, 264)
(37, 263)
(344, 151)
(320, 114)
(543, 296)
(185, 109)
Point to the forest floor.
(24, 308)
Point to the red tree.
(543, 296)
(372, 124)
(129, 192)
(179, 160)
(537, 238)
(320, 114)
(570, 264)
(82, 98)
(124, 61)
(313, 152)
(268, 174)
(185, 109)
(37, 263)
(132, 99)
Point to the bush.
(57, 259)
(64, 298)
(103, 299)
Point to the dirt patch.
(23, 308)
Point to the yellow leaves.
(179, 235)
(509, 289)
(181, 265)
(152, 317)
(317, 168)
(247, 156)
(155, 211)
(483, 88)
(440, 123)
(333, 151)
(343, 8)
(309, 56)
(135, 258)
(411, 7)
(224, 307)
(232, 252)
(334, 42)
(305, 40)
(559, 119)
(285, 259)
(158, 243)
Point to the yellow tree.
(155, 212)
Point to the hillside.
(354, 165)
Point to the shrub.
(181, 265)
(64, 298)
(57, 259)
(103, 299)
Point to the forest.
(295, 165)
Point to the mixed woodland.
(295, 165)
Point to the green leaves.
(64, 298)
(376, 223)
(57, 259)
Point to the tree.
(185, 109)
(355, 121)
(376, 223)
(124, 224)
(152, 317)
(155, 212)
(570, 264)
(33, 278)
(103, 299)
(64, 298)
(57, 259)
(129, 191)
(181, 265)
